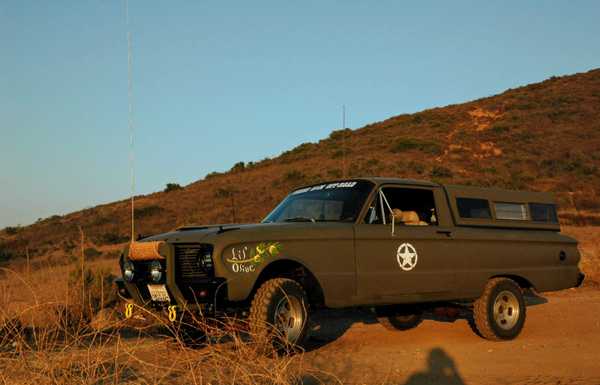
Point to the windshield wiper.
(300, 219)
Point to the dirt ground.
(560, 344)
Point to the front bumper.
(189, 284)
(206, 296)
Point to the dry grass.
(48, 337)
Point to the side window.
(514, 211)
(543, 212)
(473, 208)
(409, 206)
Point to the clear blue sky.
(220, 82)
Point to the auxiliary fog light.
(128, 271)
(156, 271)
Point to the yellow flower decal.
(260, 252)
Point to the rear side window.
(513, 211)
(473, 208)
(543, 212)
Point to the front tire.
(499, 314)
(279, 313)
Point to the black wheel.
(399, 317)
(279, 313)
(499, 314)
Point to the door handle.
(446, 232)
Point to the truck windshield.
(329, 202)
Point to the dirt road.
(560, 344)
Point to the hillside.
(543, 136)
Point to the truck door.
(412, 259)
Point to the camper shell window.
(543, 212)
(510, 211)
(473, 208)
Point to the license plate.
(159, 293)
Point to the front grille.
(188, 262)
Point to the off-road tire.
(484, 321)
(262, 318)
(398, 318)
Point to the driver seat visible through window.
(409, 218)
(409, 207)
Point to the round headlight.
(156, 272)
(128, 271)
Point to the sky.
(218, 82)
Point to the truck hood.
(214, 233)
(198, 233)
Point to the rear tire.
(499, 314)
(279, 314)
(399, 318)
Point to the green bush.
(112, 238)
(294, 176)
(499, 129)
(91, 252)
(68, 246)
(5, 254)
(441, 172)
(212, 174)
(587, 203)
(172, 187)
(340, 134)
(407, 144)
(417, 119)
(571, 163)
(225, 192)
(339, 153)
(12, 230)
(417, 167)
(489, 170)
(239, 166)
(147, 211)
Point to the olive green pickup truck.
(395, 245)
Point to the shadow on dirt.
(329, 325)
(441, 370)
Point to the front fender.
(242, 264)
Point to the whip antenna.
(130, 118)
(343, 140)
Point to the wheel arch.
(523, 282)
(288, 268)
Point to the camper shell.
(378, 242)
(501, 208)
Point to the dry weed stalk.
(53, 342)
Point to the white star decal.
(406, 256)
